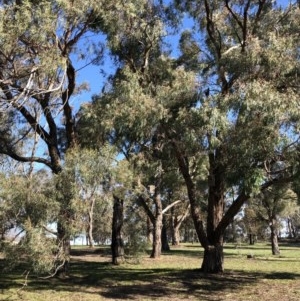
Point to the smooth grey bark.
(176, 222)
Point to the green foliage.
(27, 198)
(253, 181)
(36, 248)
(134, 230)
(85, 179)
(28, 207)
(273, 205)
(102, 220)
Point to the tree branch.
(230, 213)
(69, 120)
(49, 230)
(143, 203)
(19, 158)
(258, 13)
(211, 29)
(171, 205)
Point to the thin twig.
(25, 282)
(55, 272)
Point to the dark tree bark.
(213, 251)
(164, 236)
(217, 220)
(251, 239)
(117, 244)
(213, 259)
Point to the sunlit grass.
(262, 259)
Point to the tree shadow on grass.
(187, 284)
(136, 283)
(174, 284)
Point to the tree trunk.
(251, 239)
(291, 228)
(89, 237)
(90, 224)
(213, 259)
(175, 236)
(156, 245)
(176, 222)
(164, 237)
(117, 245)
(156, 220)
(213, 250)
(157, 226)
(217, 221)
(274, 238)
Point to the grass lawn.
(174, 276)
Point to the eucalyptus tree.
(102, 217)
(121, 186)
(293, 223)
(136, 232)
(254, 227)
(248, 62)
(157, 201)
(38, 79)
(133, 32)
(93, 171)
(270, 208)
(224, 111)
(291, 215)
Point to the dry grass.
(172, 277)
